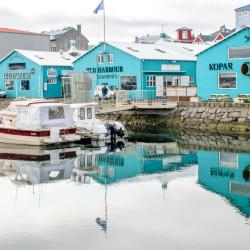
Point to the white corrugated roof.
(48, 58)
(162, 50)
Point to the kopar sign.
(220, 66)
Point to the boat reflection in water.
(35, 165)
(227, 174)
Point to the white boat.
(37, 122)
(84, 116)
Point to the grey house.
(19, 39)
(242, 16)
(61, 39)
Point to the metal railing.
(130, 97)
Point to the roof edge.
(229, 36)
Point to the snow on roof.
(47, 58)
(163, 50)
(152, 38)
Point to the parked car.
(3, 94)
(104, 92)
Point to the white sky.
(125, 18)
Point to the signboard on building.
(51, 72)
(11, 75)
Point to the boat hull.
(35, 138)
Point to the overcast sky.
(125, 18)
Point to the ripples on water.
(181, 192)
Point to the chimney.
(222, 28)
(79, 29)
(78, 36)
(136, 39)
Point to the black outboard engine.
(115, 129)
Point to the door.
(159, 85)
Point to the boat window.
(82, 161)
(56, 113)
(82, 114)
(89, 160)
(89, 113)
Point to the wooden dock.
(139, 105)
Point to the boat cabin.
(84, 113)
(36, 114)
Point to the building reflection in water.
(224, 173)
(227, 174)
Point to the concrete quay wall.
(222, 117)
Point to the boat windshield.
(56, 113)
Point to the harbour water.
(156, 192)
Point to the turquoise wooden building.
(226, 174)
(34, 74)
(135, 66)
(224, 67)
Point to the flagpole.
(104, 26)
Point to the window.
(228, 160)
(246, 13)
(227, 81)
(239, 52)
(100, 59)
(82, 114)
(56, 113)
(9, 85)
(110, 58)
(184, 34)
(240, 14)
(191, 79)
(52, 80)
(25, 85)
(170, 67)
(128, 83)
(17, 66)
(89, 113)
(151, 81)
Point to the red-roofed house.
(219, 35)
(21, 39)
(184, 35)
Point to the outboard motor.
(115, 129)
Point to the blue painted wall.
(132, 66)
(207, 80)
(37, 79)
(15, 57)
(54, 90)
(153, 67)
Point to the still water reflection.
(169, 195)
